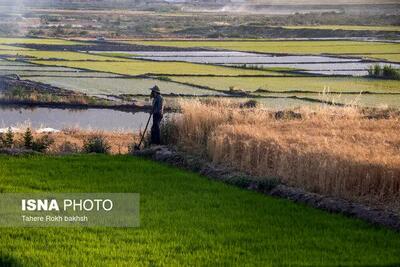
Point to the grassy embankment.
(333, 151)
(185, 220)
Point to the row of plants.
(8, 140)
(385, 72)
(92, 144)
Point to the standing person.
(157, 112)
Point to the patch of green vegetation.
(44, 41)
(280, 84)
(141, 67)
(185, 220)
(385, 72)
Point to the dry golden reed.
(329, 150)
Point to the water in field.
(326, 65)
(88, 119)
(225, 57)
(117, 86)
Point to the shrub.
(96, 144)
(165, 78)
(68, 148)
(43, 143)
(168, 131)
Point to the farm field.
(139, 67)
(278, 84)
(192, 73)
(185, 219)
(290, 47)
(117, 86)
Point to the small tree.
(96, 144)
(28, 139)
(9, 138)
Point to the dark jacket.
(158, 105)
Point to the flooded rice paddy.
(326, 65)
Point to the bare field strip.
(284, 84)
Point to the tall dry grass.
(333, 151)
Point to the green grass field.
(279, 84)
(140, 67)
(185, 220)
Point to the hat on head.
(155, 89)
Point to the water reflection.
(89, 119)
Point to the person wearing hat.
(157, 113)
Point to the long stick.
(145, 129)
